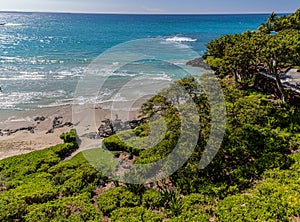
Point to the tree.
(287, 22)
(280, 50)
(269, 25)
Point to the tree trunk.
(276, 73)
(236, 77)
(280, 88)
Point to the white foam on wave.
(29, 60)
(23, 76)
(13, 100)
(180, 39)
(75, 72)
(12, 24)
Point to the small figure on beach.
(0, 89)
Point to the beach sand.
(26, 140)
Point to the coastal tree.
(269, 25)
(291, 21)
(240, 54)
(280, 50)
(237, 54)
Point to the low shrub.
(117, 198)
(76, 208)
(135, 214)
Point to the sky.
(152, 6)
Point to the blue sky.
(152, 6)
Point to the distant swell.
(180, 39)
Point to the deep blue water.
(43, 55)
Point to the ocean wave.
(16, 99)
(180, 39)
(29, 60)
(12, 24)
(75, 72)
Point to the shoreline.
(39, 129)
(22, 132)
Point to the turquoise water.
(43, 55)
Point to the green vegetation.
(254, 169)
(242, 54)
(41, 186)
(279, 23)
(116, 198)
(254, 177)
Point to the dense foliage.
(246, 54)
(254, 168)
(41, 186)
(279, 23)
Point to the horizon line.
(144, 13)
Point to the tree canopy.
(243, 54)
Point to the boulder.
(109, 127)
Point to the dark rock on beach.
(117, 155)
(110, 127)
(58, 123)
(50, 131)
(198, 62)
(130, 157)
(39, 118)
(106, 129)
(9, 132)
(69, 124)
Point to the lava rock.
(198, 62)
(39, 119)
(130, 157)
(69, 124)
(50, 131)
(57, 122)
(117, 155)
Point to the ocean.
(44, 55)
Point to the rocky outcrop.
(110, 127)
(8, 132)
(198, 62)
(58, 123)
(39, 119)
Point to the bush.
(116, 198)
(13, 203)
(135, 214)
(115, 143)
(36, 180)
(74, 176)
(274, 199)
(77, 208)
(42, 160)
(152, 199)
(69, 137)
